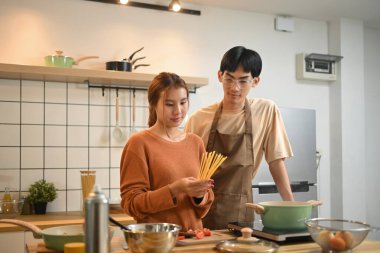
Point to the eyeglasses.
(241, 83)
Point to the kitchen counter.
(309, 247)
(57, 219)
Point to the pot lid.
(234, 245)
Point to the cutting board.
(214, 238)
(42, 249)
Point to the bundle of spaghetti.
(210, 163)
(88, 181)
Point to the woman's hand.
(191, 186)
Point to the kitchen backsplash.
(52, 131)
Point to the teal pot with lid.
(59, 60)
(284, 215)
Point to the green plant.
(42, 192)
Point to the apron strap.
(211, 138)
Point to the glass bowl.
(335, 235)
(10, 209)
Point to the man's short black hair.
(240, 56)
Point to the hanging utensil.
(117, 132)
(133, 54)
(133, 130)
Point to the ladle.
(133, 130)
(117, 132)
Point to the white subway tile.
(77, 93)
(99, 136)
(31, 157)
(9, 157)
(55, 135)
(57, 177)
(10, 178)
(78, 115)
(10, 112)
(9, 90)
(73, 179)
(99, 157)
(77, 158)
(141, 98)
(55, 114)
(55, 92)
(77, 135)
(116, 156)
(29, 177)
(9, 135)
(142, 115)
(102, 179)
(32, 113)
(59, 204)
(99, 115)
(115, 196)
(74, 200)
(97, 98)
(115, 178)
(32, 135)
(55, 157)
(32, 91)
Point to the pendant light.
(175, 5)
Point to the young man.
(242, 129)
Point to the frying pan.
(54, 237)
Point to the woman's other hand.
(191, 186)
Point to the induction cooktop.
(275, 235)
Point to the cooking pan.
(284, 215)
(127, 64)
(59, 60)
(54, 237)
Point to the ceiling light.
(175, 5)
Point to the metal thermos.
(96, 222)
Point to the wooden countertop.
(57, 219)
(309, 247)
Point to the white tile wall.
(32, 135)
(32, 91)
(9, 90)
(63, 128)
(55, 135)
(9, 135)
(10, 158)
(10, 112)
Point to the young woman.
(159, 165)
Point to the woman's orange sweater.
(149, 164)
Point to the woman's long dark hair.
(162, 82)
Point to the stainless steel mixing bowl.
(335, 235)
(151, 237)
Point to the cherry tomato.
(199, 235)
(206, 232)
(181, 237)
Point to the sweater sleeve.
(137, 198)
(202, 208)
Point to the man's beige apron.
(233, 179)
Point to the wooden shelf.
(94, 77)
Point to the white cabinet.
(12, 242)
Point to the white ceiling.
(326, 10)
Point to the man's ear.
(220, 75)
(256, 81)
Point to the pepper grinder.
(96, 222)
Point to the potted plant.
(40, 193)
